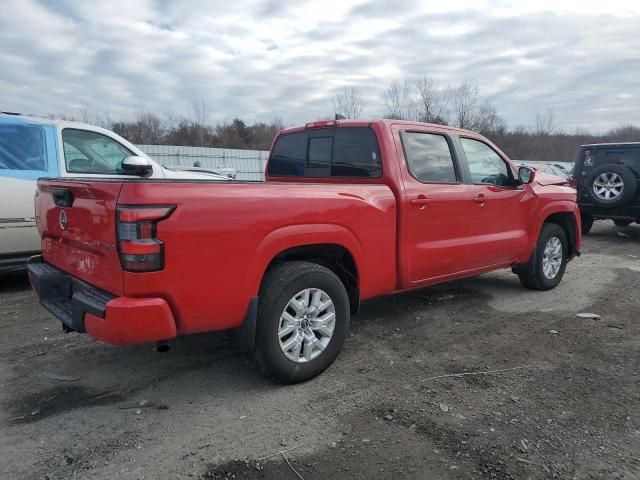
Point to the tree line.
(462, 106)
(422, 100)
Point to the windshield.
(91, 152)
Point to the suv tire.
(611, 185)
(547, 264)
(294, 340)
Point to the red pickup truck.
(349, 210)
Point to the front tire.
(303, 321)
(546, 267)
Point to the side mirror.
(526, 175)
(137, 166)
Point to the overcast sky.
(260, 59)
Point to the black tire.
(622, 223)
(629, 185)
(532, 274)
(279, 286)
(587, 222)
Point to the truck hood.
(546, 179)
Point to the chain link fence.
(248, 164)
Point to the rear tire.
(547, 264)
(612, 185)
(296, 338)
(587, 222)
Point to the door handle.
(480, 199)
(421, 201)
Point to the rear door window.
(350, 152)
(429, 157)
(92, 152)
(22, 148)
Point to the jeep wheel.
(612, 185)
(546, 267)
(303, 321)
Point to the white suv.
(34, 147)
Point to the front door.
(498, 222)
(435, 211)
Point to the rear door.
(76, 220)
(436, 208)
(498, 223)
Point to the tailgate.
(77, 224)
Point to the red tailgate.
(77, 223)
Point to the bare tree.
(545, 122)
(200, 128)
(200, 111)
(464, 100)
(83, 112)
(431, 101)
(487, 120)
(399, 102)
(349, 103)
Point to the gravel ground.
(552, 395)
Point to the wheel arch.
(333, 246)
(566, 221)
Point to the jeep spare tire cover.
(612, 185)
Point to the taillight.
(138, 244)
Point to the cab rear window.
(350, 152)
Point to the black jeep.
(606, 176)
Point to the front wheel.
(303, 321)
(546, 267)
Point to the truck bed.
(219, 240)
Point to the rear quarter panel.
(221, 238)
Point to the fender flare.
(300, 235)
(557, 206)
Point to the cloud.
(261, 59)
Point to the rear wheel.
(546, 267)
(303, 321)
(622, 223)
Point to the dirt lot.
(566, 403)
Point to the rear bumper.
(625, 212)
(84, 308)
